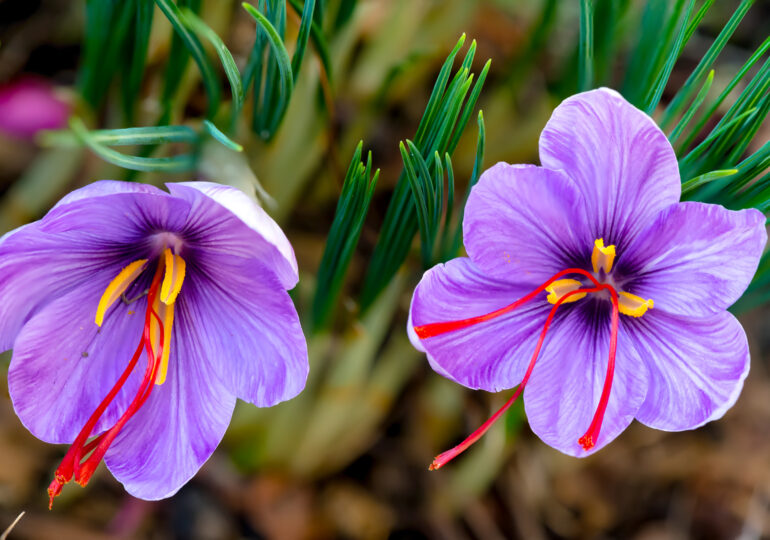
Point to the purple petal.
(101, 188)
(525, 223)
(695, 258)
(620, 160)
(246, 327)
(564, 390)
(231, 219)
(492, 355)
(63, 365)
(94, 231)
(697, 367)
(164, 444)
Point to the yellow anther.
(173, 278)
(560, 287)
(602, 257)
(117, 287)
(166, 314)
(633, 305)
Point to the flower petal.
(564, 390)
(525, 223)
(492, 355)
(106, 224)
(63, 365)
(695, 258)
(697, 367)
(619, 158)
(246, 327)
(165, 443)
(224, 211)
(101, 188)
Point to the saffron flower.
(136, 318)
(591, 287)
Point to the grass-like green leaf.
(693, 82)
(123, 137)
(352, 208)
(692, 109)
(656, 91)
(193, 45)
(586, 46)
(269, 111)
(447, 112)
(137, 51)
(181, 163)
(226, 141)
(225, 56)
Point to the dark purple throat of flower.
(560, 291)
(84, 456)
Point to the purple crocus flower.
(596, 246)
(193, 281)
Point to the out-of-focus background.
(348, 459)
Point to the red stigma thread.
(435, 329)
(72, 465)
(588, 440)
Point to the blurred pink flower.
(28, 105)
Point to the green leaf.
(656, 91)
(697, 102)
(304, 33)
(225, 56)
(728, 89)
(439, 131)
(177, 63)
(352, 208)
(586, 46)
(212, 130)
(694, 183)
(693, 81)
(180, 163)
(132, 81)
(270, 114)
(193, 45)
(319, 42)
(123, 137)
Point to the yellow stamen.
(602, 257)
(633, 305)
(560, 287)
(117, 287)
(173, 278)
(166, 314)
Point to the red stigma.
(587, 441)
(82, 458)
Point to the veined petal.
(492, 355)
(101, 188)
(620, 160)
(64, 365)
(93, 228)
(564, 390)
(697, 367)
(695, 259)
(245, 326)
(525, 223)
(165, 443)
(234, 223)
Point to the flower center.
(83, 457)
(561, 290)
